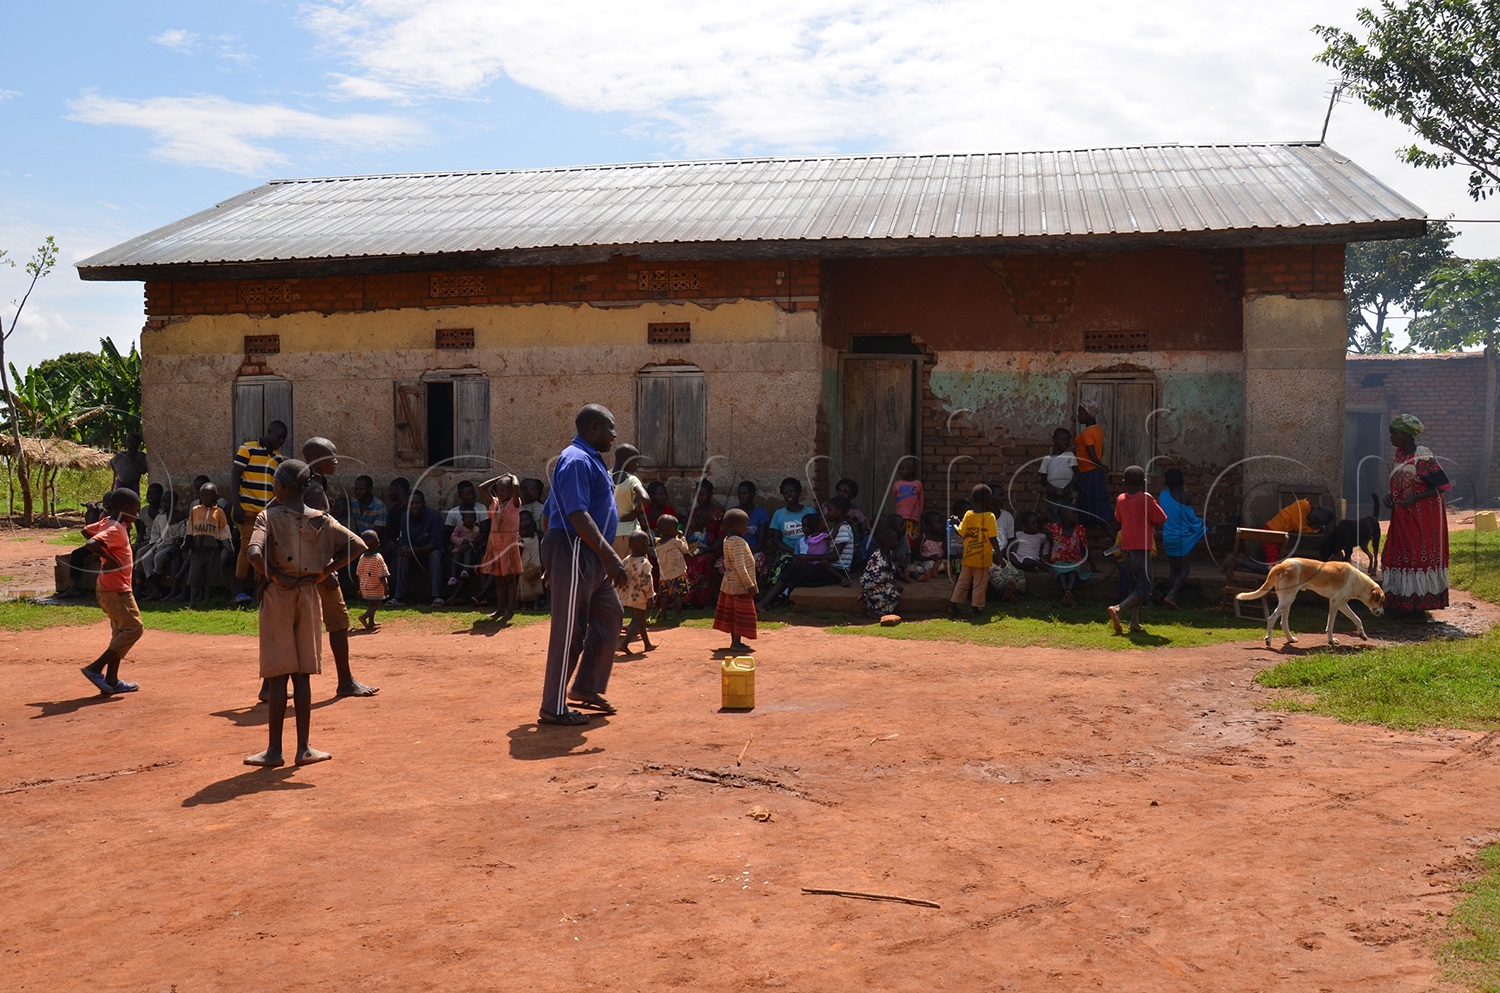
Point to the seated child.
(879, 586)
(532, 589)
(463, 552)
(207, 534)
(1070, 551)
(1027, 551)
(932, 551)
(531, 500)
(955, 541)
(374, 579)
(671, 561)
(636, 595)
(158, 562)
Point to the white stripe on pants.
(586, 615)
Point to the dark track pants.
(586, 615)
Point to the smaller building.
(1454, 394)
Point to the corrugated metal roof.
(828, 206)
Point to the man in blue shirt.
(584, 571)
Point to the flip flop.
(593, 701)
(97, 678)
(123, 687)
(568, 718)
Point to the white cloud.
(178, 40)
(805, 75)
(8, 94)
(237, 137)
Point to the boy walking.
(1138, 514)
(109, 540)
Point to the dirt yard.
(1121, 821)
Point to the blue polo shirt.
(580, 481)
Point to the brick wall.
(795, 284)
(1446, 391)
(1293, 270)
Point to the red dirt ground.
(1123, 821)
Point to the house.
(1455, 395)
(814, 317)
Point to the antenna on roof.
(1333, 98)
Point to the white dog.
(1340, 582)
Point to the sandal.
(592, 701)
(568, 718)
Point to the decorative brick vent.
(262, 344)
(455, 338)
(262, 292)
(669, 280)
(669, 334)
(460, 285)
(1116, 341)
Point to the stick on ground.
(744, 750)
(859, 895)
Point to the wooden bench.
(1234, 583)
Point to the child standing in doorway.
(907, 493)
(108, 539)
(294, 548)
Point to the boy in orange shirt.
(109, 539)
(1138, 514)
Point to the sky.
(120, 118)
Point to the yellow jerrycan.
(737, 681)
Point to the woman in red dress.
(1414, 559)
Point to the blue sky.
(122, 117)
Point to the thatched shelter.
(56, 453)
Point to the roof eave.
(852, 248)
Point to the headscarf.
(1092, 406)
(1407, 424)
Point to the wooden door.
(878, 423)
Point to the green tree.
(42, 262)
(1462, 307)
(1433, 65)
(1385, 276)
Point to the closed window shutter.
(689, 419)
(471, 396)
(653, 419)
(411, 422)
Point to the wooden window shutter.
(411, 422)
(471, 405)
(653, 419)
(258, 401)
(1132, 425)
(278, 407)
(689, 419)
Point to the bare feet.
(1114, 620)
(1068, 599)
(739, 647)
(310, 755)
(356, 688)
(266, 760)
(649, 647)
(1171, 603)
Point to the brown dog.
(1340, 582)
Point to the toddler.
(1138, 514)
(879, 587)
(636, 595)
(531, 589)
(462, 556)
(1027, 551)
(907, 493)
(1070, 551)
(207, 535)
(981, 549)
(374, 579)
(671, 561)
(1059, 468)
(932, 551)
(502, 555)
(531, 491)
(735, 613)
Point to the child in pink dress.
(502, 554)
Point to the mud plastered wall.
(761, 365)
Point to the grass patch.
(703, 620)
(1474, 563)
(1472, 955)
(25, 615)
(70, 539)
(1046, 623)
(1447, 683)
